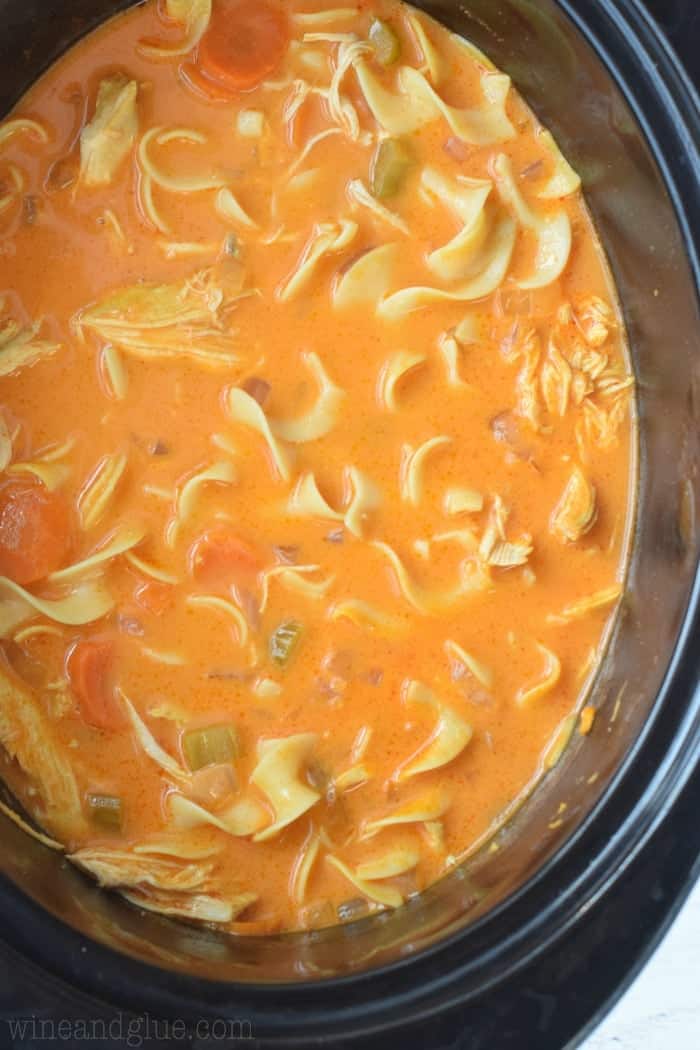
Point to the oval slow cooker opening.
(486, 918)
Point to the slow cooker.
(522, 947)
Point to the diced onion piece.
(385, 41)
(250, 123)
(460, 500)
(266, 688)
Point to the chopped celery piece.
(386, 44)
(283, 641)
(106, 810)
(392, 162)
(209, 746)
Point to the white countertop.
(661, 1011)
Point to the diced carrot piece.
(244, 43)
(220, 555)
(88, 666)
(203, 85)
(35, 530)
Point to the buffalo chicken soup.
(316, 441)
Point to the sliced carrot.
(220, 555)
(245, 42)
(35, 530)
(153, 596)
(204, 86)
(88, 665)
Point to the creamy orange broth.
(64, 247)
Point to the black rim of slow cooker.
(469, 964)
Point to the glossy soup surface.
(316, 444)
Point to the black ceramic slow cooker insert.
(527, 940)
